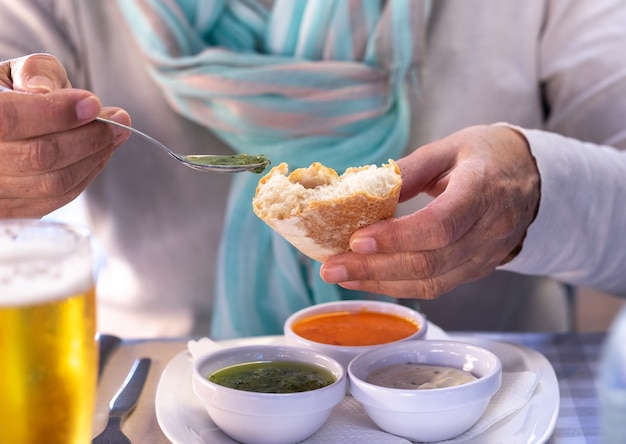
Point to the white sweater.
(556, 68)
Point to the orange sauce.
(354, 328)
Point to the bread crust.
(321, 227)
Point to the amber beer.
(48, 359)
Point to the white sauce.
(419, 376)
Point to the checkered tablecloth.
(574, 357)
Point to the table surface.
(574, 357)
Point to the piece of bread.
(317, 210)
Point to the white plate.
(184, 420)
(535, 421)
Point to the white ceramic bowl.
(427, 415)
(343, 353)
(251, 417)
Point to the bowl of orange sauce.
(345, 329)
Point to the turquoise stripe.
(313, 29)
(285, 43)
(233, 35)
(371, 10)
(251, 15)
(402, 36)
(141, 28)
(342, 30)
(371, 13)
(187, 42)
(204, 14)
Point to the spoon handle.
(142, 134)
(207, 162)
(202, 162)
(136, 131)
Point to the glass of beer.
(48, 350)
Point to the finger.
(391, 267)
(57, 182)
(39, 195)
(40, 73)
(437, 225)
(39, 207)
(26, 115)
(119, 115)
(428, 288)
(53, 152)
(423, 169)
(485, 251)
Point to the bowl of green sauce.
(268, 393)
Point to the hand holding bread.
(317, 210)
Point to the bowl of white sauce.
(428, 390)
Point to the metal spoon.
(207, 162)
(203, 162)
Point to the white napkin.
(202, 346)
(349, 421)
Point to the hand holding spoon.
(203, 162)
(207, 162)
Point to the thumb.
(38, 73)
(24, 115)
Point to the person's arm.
(50, 150)
(49, 147)
(578, 234)
(475, 222)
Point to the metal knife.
(123, 403)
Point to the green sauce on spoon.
(238, 159)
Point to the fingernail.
(334, 273)
(40, 84)
(363, 245)
(351, 285)
(87, 108)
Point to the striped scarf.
(300, 81)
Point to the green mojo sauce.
(238, 159)
(273, 377)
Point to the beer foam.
(51, 275)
